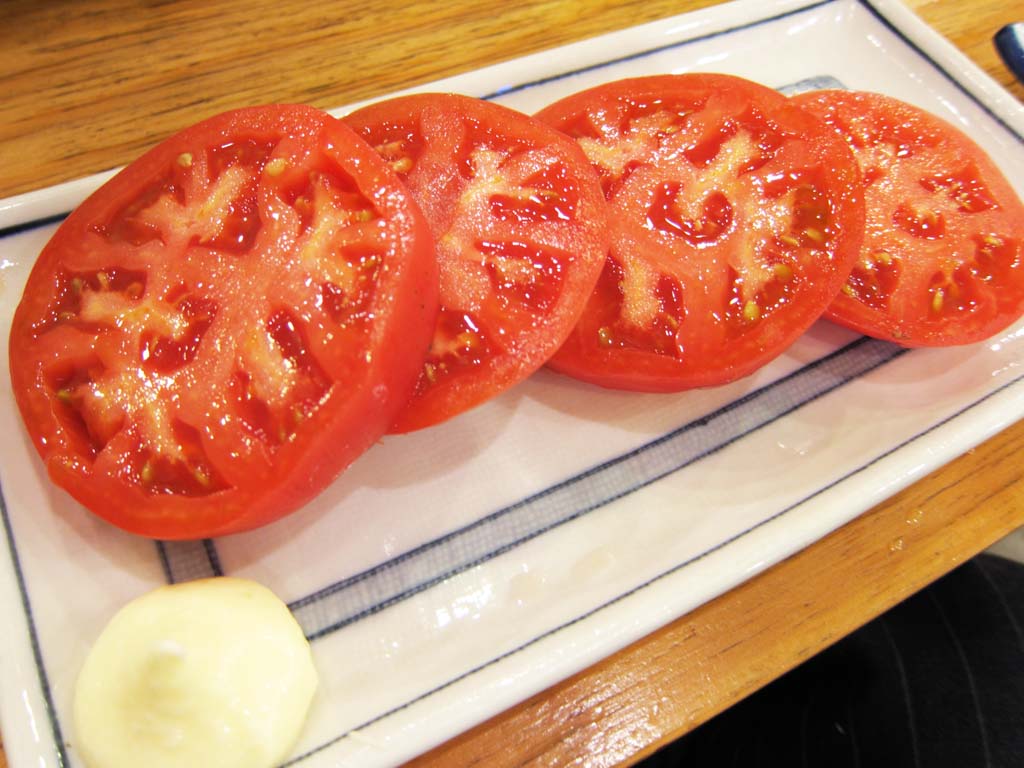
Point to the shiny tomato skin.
(210, 338)
(735, 219)
(521, 233)
(943, 255)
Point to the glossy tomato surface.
(520, 226)
(943, 256)
(735, 219)
(213, 335)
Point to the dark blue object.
(1010, 44)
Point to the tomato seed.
(402, 165)
(751, 311)
(202, 476)
(783, 272)
(811, 233)
(276, 166)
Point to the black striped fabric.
(936, 682)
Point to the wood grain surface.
(88, 86)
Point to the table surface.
(88, 86)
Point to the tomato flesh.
(210, 338)
(735, 220)
(943, 255)
(520, 226)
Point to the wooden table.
(88, 86)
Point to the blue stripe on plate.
(188, 560)
(818, 83)
(352, 599)
(27, 226)
(33, 635)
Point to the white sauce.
(212, 673)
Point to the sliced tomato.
(520, 226)
(735, 220)
(943, 256)
(212, 336)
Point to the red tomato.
(519, 222)
(735, 220)
(211, 337)
(943, 255)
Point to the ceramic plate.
(453, 572)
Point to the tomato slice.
(735, 220)
(212, 336)
(943, 256)
(520, 226)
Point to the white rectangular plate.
(453, 572)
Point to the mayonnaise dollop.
(214, 672)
